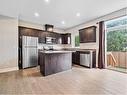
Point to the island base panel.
(54, 63)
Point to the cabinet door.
(42, 37)
(66, 38)
(82, 37)
(73, 57)
(94, 60)
(28, 32)
(88, 34)
(77, 57)
(63, 39)
(58, 39)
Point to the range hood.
(49, 27)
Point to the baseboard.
(8, 69)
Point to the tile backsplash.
(55, 46)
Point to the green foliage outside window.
(117, 40)
(77, 41)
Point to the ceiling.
(56, 11)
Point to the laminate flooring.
(78, 81)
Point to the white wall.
(75, 30)
(8, 44)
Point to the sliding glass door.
(116, 44)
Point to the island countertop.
(55, 51)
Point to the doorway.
(116, 44)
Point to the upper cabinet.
(66, 38)
(87, 35)
(23, 31)
(45, 35)
(58, 38)
(41, 37)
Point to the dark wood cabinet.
(88, 34)
(42, 38)
(54, 62)
(63, 38)
(41, 34)
(66, 38)
(23, 31)
(76, 57)
(59, 38)
(94, 59)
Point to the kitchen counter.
(56, 51)
(79, 49)
(55, 61)
(82, 56)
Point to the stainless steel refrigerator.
(30, 51)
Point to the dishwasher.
(86, 59)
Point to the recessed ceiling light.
(63, 22)
(36, 14)
(47, 1)
(78, 14)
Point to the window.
(116, 31)
(77, 42)
(117, 34)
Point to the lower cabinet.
(54, 62)
(76, 56)
(94, 59)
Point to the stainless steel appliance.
(86, 58)
(50, 40)
(30, 51)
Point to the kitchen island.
(52, 62)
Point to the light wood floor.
(78, 81)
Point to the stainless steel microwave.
(50, 40)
